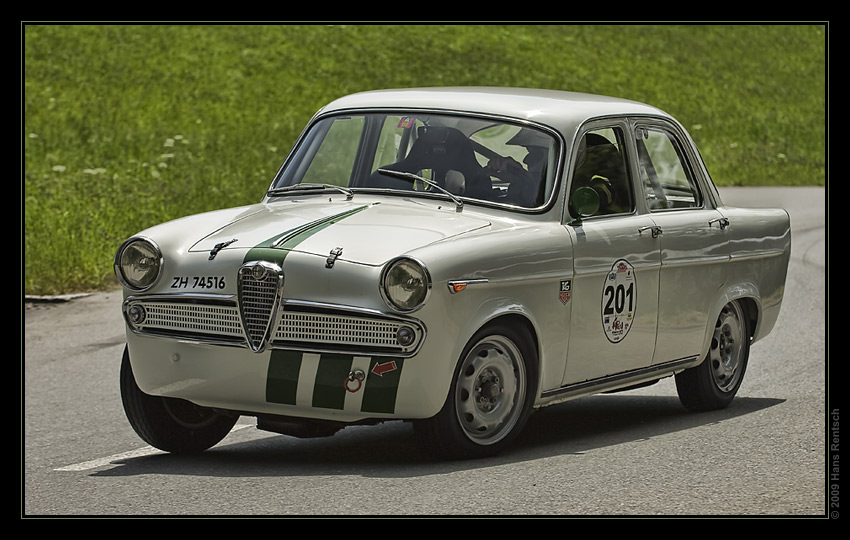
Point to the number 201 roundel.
(619, 295)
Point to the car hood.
(368, 232)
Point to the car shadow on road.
(391, 450)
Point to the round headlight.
(138, 264)
(405, 284)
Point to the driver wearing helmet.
(525, 183)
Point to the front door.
(616, 266)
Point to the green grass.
(127, 126)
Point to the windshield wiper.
(416, 178)
(303, 187)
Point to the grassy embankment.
(127, 126)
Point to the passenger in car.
(600, 166)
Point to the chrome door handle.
(723, 222)
(656, 230)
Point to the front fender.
(534, 304)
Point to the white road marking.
(141, 452)
(95, 463)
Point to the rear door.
(692, 236)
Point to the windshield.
(474, 159)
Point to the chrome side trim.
(619, 380)
(760, 254)
(457, 285)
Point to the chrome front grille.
(259, 286)
(192, 318)
(259, 318)
(340, 330)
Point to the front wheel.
(714, 383)
(490, 398)
(172, 425)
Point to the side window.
(667, 181)
(601, 166)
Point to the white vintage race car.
(452, 257)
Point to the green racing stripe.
(320, 381)
(329, 372)
(275, 249)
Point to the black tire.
(490, 399)
(713, 384)
(172, 425)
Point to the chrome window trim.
(557, 179)
(688, 157)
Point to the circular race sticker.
(619, 296)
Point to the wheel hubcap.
(727, 348)
(490, 390)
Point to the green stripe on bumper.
(328, 388)
(381, 390)
(282, 378)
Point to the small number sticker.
(566, 291)
(619, 301)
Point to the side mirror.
(585, 201)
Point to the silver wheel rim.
(490, 390)
(727, 348)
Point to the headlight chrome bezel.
(387, 289)
(120, 265)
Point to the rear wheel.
(170, 424)
(714, 383)
(490, 399)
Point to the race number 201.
(619, 295)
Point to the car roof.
(561, 110)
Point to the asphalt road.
(634, 453)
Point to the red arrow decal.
(386, 367)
